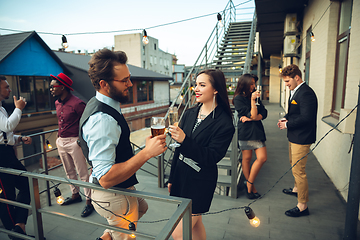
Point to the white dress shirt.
(8, 125)
(101, 132)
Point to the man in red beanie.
(69, 109)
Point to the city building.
(148, 56)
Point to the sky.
(184, 39)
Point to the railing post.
(161, 171)
(234, 159)
(45, 166)
(206, 55)
(35, 205)
(187, 224)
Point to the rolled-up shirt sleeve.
(101, 133)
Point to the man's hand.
(26, 140)
(154, 146)
(282, 123)
(20, 104)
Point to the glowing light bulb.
(64, 42)
(145, 39)
(59, 199)
(220, 20)
(181, 97)
(312, 37)
(1, 190)
(254, 221)
(230, 88)
(48, 144)
(132, 227)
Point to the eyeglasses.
(126, 80)
(54, 86)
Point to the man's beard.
(118, 95)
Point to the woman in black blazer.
(204, 133)
(251, 134)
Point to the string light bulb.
(64, 42)
(312, 37)
(280, 68)
(132, 227)
(1, 190)
(254, 221)
(145, 39)
(219, 18)
(48, 144)
(59, 199)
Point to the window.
(154, 46)
(147, 122)
(342, 50)
(34, 89)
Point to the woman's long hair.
(218, 82)
(243, 86)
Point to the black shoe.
(289, 192)
(70, 200)
(295, 212)
(17, 229)
(88, 209)
(256, 195)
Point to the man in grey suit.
(300, 122)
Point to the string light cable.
(247, 207)
(312, 30)
(135, 29)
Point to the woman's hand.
(245, 119)
(169, 186)
(177, 133)
(255, 95)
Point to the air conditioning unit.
(290, 23)
(290, 43)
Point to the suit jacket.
(301, 116)
(207, 145)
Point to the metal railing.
(250, 48)
(182, 212)
(185, 98)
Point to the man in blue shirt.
(104, 138)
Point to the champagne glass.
(157, 126)
(258, 88)
(173, 120)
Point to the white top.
(8, 125)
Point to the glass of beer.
(173, 120)
(157, 126)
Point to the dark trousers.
(9, 214)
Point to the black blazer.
(251, 130)
(301, 116)
(207, 145)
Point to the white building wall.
(131, 45)
(274, 80)
(154, 58)
(332, 152)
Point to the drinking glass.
(258, 88)
(282, 116)
(173, 120)
(157, 126)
